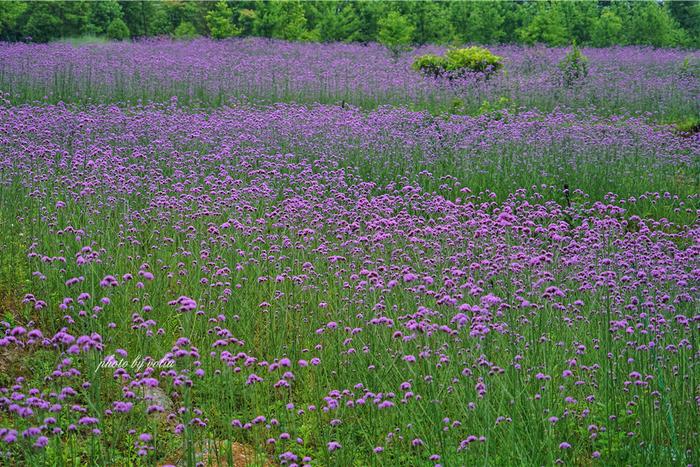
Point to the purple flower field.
(303, 283)
(622, 79)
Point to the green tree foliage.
(101, 15)
(185, 30)
(48, 20)
(40, 24)
(336, 21)
(547, 26)
(10, 14)
(282, 20)
(161, 23)
(578, 19)
(607, 29)
(668, 23)
(687, 15)
(479, 22)
(370, 13)
(189, 12)
(139, 15)
(246, 21)
(220, 21)
(118, 30)
(395, 32)
(513, 19)
(648, 24)
(431, 21)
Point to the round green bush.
(473, 59)
(118, 30)
(457, 62)
(185, 30)
(430, 64)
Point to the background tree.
(687, 15)
(118, 30)
(578, 18)
(607, 29)
(220, 21)
(431, 21)
(513, 20)
(246, 21)
(292, 25)
(101, 15)
(139, 15)
(10, 13)
(48, 20)
(395, 32)
(40, 23)
(185, 30)
(336, 21)
(370, 14)
(187, 12)
(479, 22)
(160, 23)
(650, 24)
(547, 26)
(281, 20)
(667, 23)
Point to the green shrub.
(457, 62)
(495, 108)
(574, 67)
(456, 106)
(185, 30)
(430, 64)
(690, 126)
(690, 68)
(473, 59)
(118, 30)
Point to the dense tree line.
(593, 22)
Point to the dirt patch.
(13, 364)
(215, 453)
(10, 304)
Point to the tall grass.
(86, 39)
